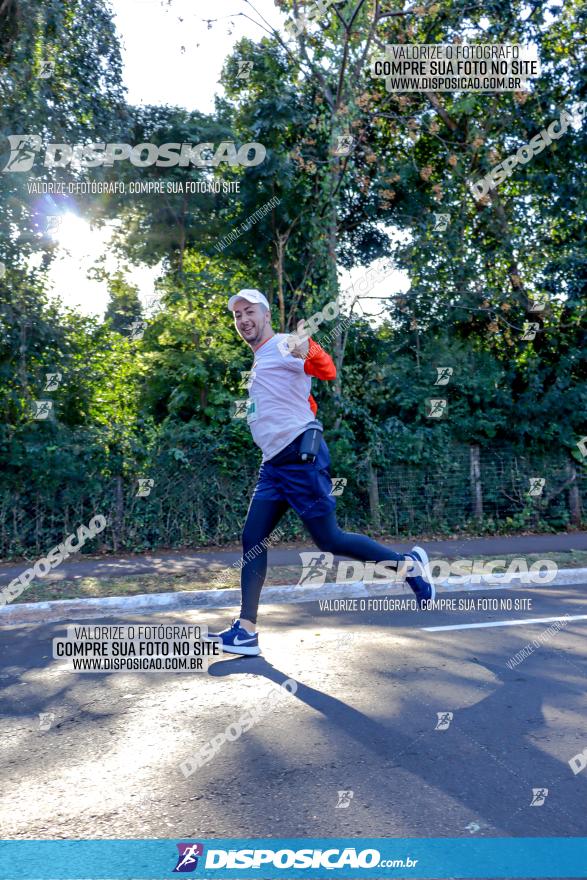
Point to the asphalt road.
(185, 561)
(370, 686)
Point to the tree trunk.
(374, 496)
(280, 243)
(475, 477)
(118, 515)
(574, 497)
(332, 269)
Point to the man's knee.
(253, 544)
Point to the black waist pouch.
(310, 442)
(303, 449)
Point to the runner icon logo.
(338, 485)
(443, 375)
(344, 799)
(40, 409)
(444, 719)
(187, 860)
(52, 381)
(344, 145)
(46, 719)
(539, 795)
(529, 331)
(441, 222)
(314, 567)
(244, 69)
(536, 486)
(436, 408)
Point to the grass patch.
(206, 579)
(132, 585)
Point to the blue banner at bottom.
(269, 858)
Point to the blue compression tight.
(263, 517)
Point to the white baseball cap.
(252, 296)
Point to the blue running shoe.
(419, 579)
(238, 640)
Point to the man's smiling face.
(251, 321)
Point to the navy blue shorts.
(305, 487)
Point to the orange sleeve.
(318, 363)
(313, 404)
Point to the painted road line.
(505, 622)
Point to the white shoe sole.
(241, 649)
(426, 564)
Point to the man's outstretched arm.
(318, 362)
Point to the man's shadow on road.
(390, 743)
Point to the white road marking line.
(505, 622)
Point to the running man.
(280, 412)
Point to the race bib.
(252, 410)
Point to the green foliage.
(124, 311)
(158, 406)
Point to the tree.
(124, 310)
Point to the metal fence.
(187, 498)
(482, 490)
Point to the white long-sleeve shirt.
(280, 403)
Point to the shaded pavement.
(363, 719)
(183, 562)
